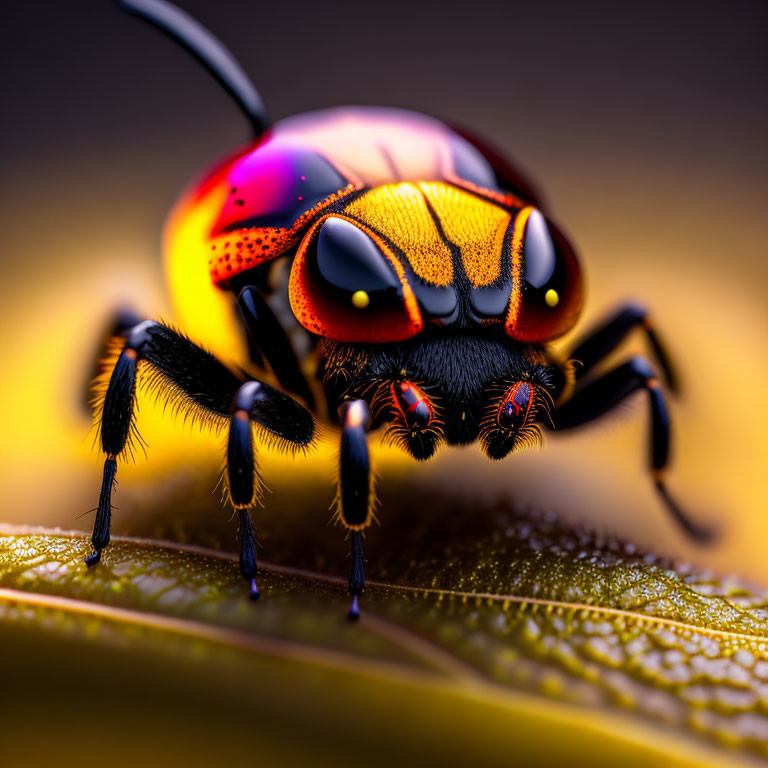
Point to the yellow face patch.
(398, 212)
(401, 213)
(476, 226)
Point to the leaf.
(453, 657)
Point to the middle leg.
(355, 494)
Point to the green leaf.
(526, 644)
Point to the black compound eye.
(550, 291)
(539, 255)
(353, 268)
(347, 286)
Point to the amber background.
(644, 123)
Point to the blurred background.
(644, 124)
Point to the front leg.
(192, 379)
(355, 494)
(116, 427)
(604, 394)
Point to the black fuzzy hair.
(459, 371)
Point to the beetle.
(425, 276)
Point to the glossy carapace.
(399, 207)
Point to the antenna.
(208, 50)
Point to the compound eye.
(353, 268)
(549, 298)
(344, 285)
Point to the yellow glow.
(552, 298)
(203, 312)
(360, 299)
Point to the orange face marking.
(517, 266)
(234, 252)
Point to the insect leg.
(193, 379)
(268, 335)
(115, 428)
(355, 492)
(604, 394)
(244, 484)
(606, 337)
(257, 404)
(119, 325)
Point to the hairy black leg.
(120, 324)
(268, 337)
(115, 428)
(195, 380)
(242, 480)
(606, 337)
(355, 493)
(258, 404)
(602, 395)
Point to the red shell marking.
(303, 164)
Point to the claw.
(91, 560)
(354, 610)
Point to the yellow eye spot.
(360, 299)
(552, 298)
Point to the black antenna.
(208, 50)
